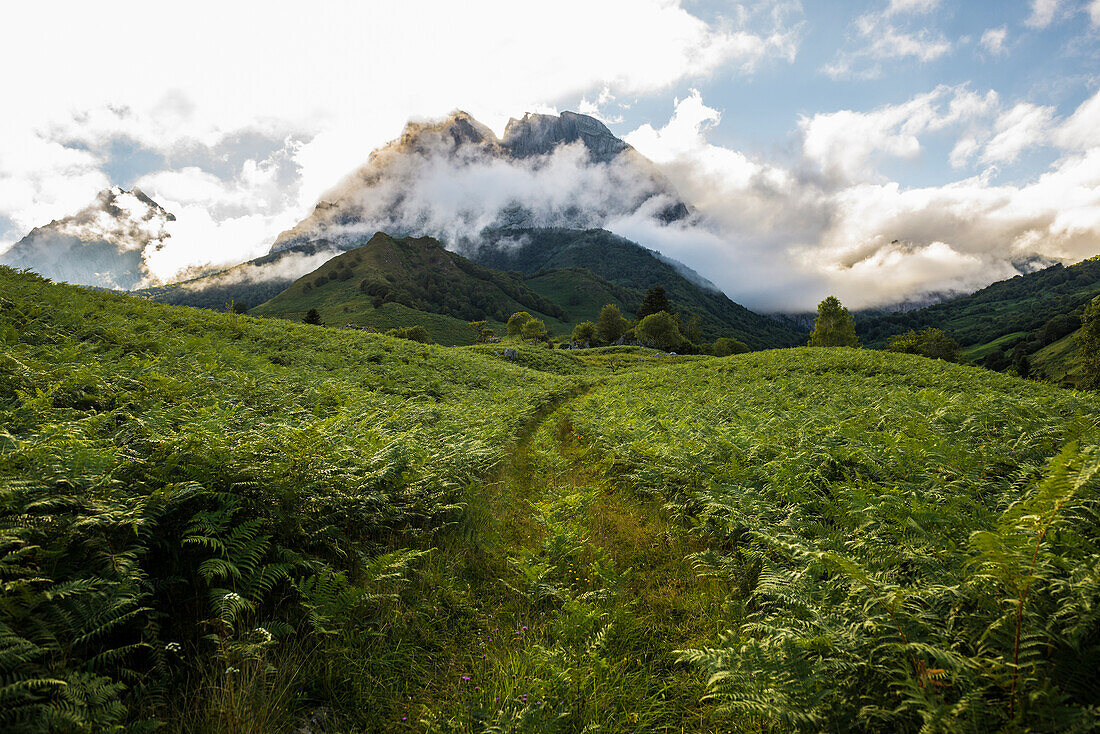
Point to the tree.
(534, 330)
(516, 322)
(1088, 346)
(584, 332)
(412, 333)
(484, 333)
(724, 347)
(931, 342)
(655, 301)
(661, 331)
(313, 316)
(834, 327)
(610, 326)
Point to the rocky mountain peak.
(458, 129)
(537, 134)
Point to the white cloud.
(846, 145)
(1042, 13)
(889, 35)
(185, 81)
(1024, 126)
(993, 41)
(1082, 130)
(777, 240)
(1094, 12)
(911, 6)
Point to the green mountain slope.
(632, 266)
(250, 283)
(1021, 304)
(389, 282)
(582, 293)
(219, 523)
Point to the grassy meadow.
(217, 523)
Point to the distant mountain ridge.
(105, 244)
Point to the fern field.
(216, 523)
(906, 545)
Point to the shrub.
(660, 330)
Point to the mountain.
(1016, 306)
(454, 178)
(394, 282)
(629, 265)
(103, 244)
(250, 283)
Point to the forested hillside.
(1014, 307)
(216, 523)
(629, 265)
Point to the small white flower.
(230, 670)
(172, 647)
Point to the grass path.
(585, 590)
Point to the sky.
(876, 149)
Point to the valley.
(218, 522)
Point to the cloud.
(847, 145)
(993, 41)
(1094, 12)
(212, 83)
(1042, 13)
(1024, 126)
(780, 240)
(889, 34)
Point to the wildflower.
(525, 628)
(172, 647)
(230, 670)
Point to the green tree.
(931, 342)
(655, 301)
(313, 316)
(660, 330)
(516, 322)
(724, 347)
(412, 333)
(1088, 346)
(610, 326)
(534, 330)
(834, 327)
(482, 330)
(584, 332)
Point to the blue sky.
(880, 149)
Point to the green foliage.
(169, 476)
(725, 346)
(833, 327)
(517, 321)
(931, 342)
(655, 301)
(313, 316)
(483, 332)
(905, 544)
(534, 330)
(584, 333)
(1088, 346)
(660, 330)
(610, 326)
(412, 333)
